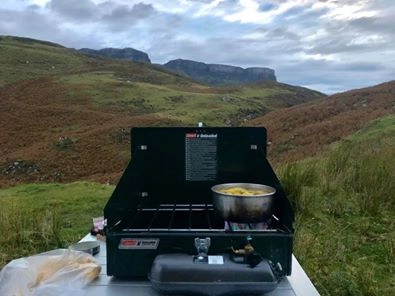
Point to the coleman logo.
(190, 135)
(139, 243)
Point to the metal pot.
(243, 208)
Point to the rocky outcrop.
(216, 74)
(212, 74)
(128, 53)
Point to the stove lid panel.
(181, 164)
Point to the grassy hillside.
(345, 209)
(307, 129)
(65, 116)
(24, 58)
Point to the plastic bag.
(58, 272)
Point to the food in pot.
(243, 191)
(243, 202)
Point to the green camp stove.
(161, 223)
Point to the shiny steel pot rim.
(257, 186)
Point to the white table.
(298, 284)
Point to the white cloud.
(346, 12)
(41, 3)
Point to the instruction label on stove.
(200, 156)
(215, 260)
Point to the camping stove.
(162, 225)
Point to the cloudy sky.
(326, 45)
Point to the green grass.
(383, 127)
(189, 104)
(39, 217)
(252, 91)
(345, 209)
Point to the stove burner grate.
(185, 217)
(176, 217)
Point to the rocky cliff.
(217, 74)
(128, 53)
(212, 74)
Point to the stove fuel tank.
(212, 275)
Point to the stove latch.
(202, 245)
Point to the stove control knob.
(253, 259)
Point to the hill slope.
(304, 130)
(66, 116)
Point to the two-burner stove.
(161, 223)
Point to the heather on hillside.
(306, 130)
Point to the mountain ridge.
(211, 74)
(219, 74)
(126, 53)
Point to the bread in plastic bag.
(57, 272)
